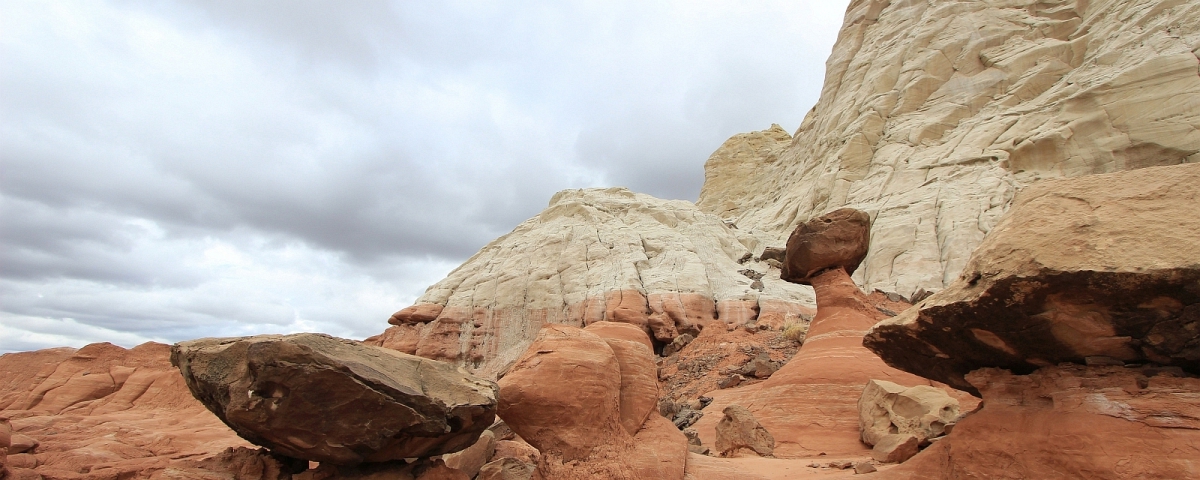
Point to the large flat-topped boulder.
(326, 399)
(838, 239)
(1098, 269)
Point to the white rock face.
(599, 254)
(934, 113)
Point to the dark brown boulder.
(327, 399)
(837, 239)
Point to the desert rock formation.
(1102, 268)
(596, 255)
(934, 114)
(325, 399)
(1086, 295)
(587, 403)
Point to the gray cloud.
(175, 170)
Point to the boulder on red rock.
(326, 399)
(887, 408)
(896, 447)
(740, 434)
(584, 398)
(1071, 421)
(1103, 267)
(837, 239)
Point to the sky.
(173, 170)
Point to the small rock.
(20, 443)
(776, 264)
(757, 285)
(730, 381)
(895, 448)
(506, 469)
(864, 467)
(844, 464)
(686, 417)
(677, 344)
(760, 367)
(745, 258)
(739, 432)
(667, 407)
(692, 435)
(698, 449)
(470, 460)
(704, 401)
(774, 253)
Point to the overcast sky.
(173, 170)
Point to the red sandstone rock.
(148, 423)
(568, 397)
(837, 239)
(1071, 421)
(419, 313)
(471, 459)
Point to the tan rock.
(738, 433)
(896, 447)
(1121, 423)
(326, 399)
(19, 443)
(506, 468)
(419, 313)
(1089, 267)
(864, 467)
(471, 459)
(517, 449)
(887, 408)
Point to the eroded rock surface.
(1071, 421)
(739, 433)
(103, 412)
(595, 255)
(1096, 269)
(934, 114)
(886, 408)
(326, 399)
(586, 402)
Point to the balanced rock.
(326, 399)
(837, 239)
(810, 404)
(1090, 270)
(586, 403)
(739, 434)
(887, 408)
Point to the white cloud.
(172, 170)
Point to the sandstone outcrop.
(1097, 269)
(105, 412)
(934, 114)
(1071, 421)
(810, 404)
(595, 255)
(586, 403)
(886, 408)
(326, 399)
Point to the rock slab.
(739, 433)
(325, 399)
(887, 408)
(1089, 270)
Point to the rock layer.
(594, 255)
(325, 399)
(1103, 268)
(1071, 422)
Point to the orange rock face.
(1071, 421)
(106, 412)
(586, 403)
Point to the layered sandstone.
(103, 411)
(1098, 269)
(934, 114)
(596, 255)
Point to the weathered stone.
(895, 448)
(1071, 421)
(506, 469)
(887, 408)
(19, 443)
(1102, 265)
(419, 313)
(838, 239)
(326, 399)
(471, 459)
(759, 367)
(864, 467)
(576, 397)
(739, 434)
